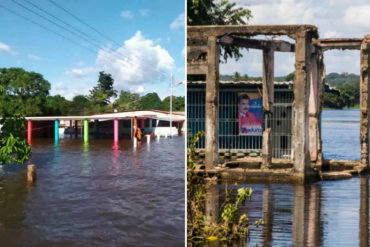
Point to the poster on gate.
(250, 114)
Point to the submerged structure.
(283, 140)
(116, 125)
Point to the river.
(91, 195)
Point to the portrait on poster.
(250, 114)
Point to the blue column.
(56, 130)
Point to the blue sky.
(334, 19)
(150, 35)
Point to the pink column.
(29, 131)
(115, 134)
(142, 123)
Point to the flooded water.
(91, 195)
(330, 213)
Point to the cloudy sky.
(139, 42)
(334, 19)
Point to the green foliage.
(13, 146)
(236, 76)
(56, 106)
(231, 227)
(127, 101)
(178, 103)
(289, 77)
(25, 92)
(102, 93)
(80, 105)
(211, 12)
(150, 101)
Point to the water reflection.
(302, 215)
(91, 195)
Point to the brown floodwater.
(91, 195)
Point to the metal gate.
(229, 138)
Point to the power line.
(65, 23)
(51, 21)
(50, 30)
(64, 28)
(83, 22)
(46, 28)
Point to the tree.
(25, 92)
(236, 76)
(80, 105)
(150, 101)
(211, 12)
(289, 77)
(178, 103)
(13, 145)
(102, 93)
(127, 101)
(56, 106)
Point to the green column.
(86, 130)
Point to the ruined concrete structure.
(203, 49)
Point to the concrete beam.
(275, 45)
(197, 32)
(338, 43)
(212, 91)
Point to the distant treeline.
(347, 84)
(27, 94)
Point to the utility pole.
(171, 105)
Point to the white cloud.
(33, 56)
(179, 22)
(140, 89)
(357, 17)
(82, 72)
(139, 65)
(137, 62)
(183, 51)
(127, 14)
(4, 48)
(144, 12)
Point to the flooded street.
(91, 195)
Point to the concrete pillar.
(29, 131)
(267, 104)
(97, 128)
(212, 204)
(321, 74)
(212, 89)
(364, 212)
(266, 149)
(86, 130)
(56, 130)
(301, 95)
(364, 100)
(313, 129)
(268, 80)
